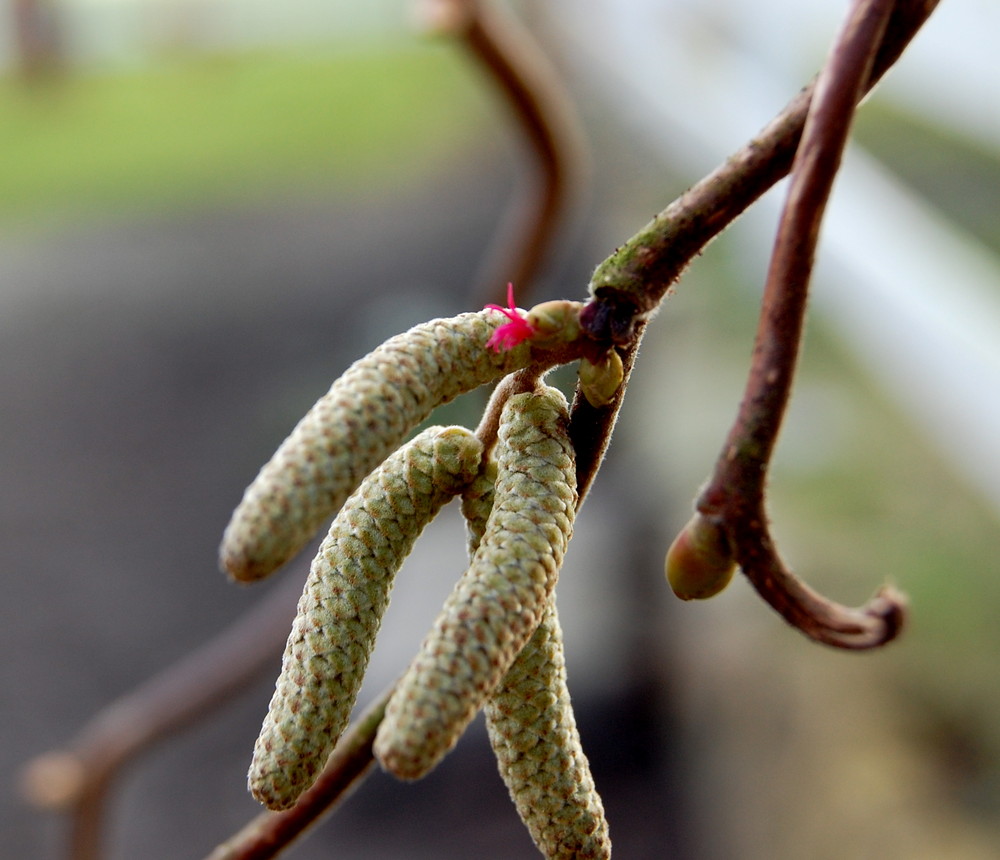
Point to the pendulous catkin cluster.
(342, 606)
(497, 605)
(497, 643)
(351, 429)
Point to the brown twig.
(543, 111)
(632, 282)
(79, 778)
(271, 832)
(735, 494)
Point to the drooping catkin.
(496, 606)
(533, 732)
(532, 729)
(362, 418)
(342, 605)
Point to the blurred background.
(209, 208)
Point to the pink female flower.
(512, 333)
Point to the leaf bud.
(700, 561)
(555, 322)
(599, 381)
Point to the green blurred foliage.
(189, 129)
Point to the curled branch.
(522, 75)
(630, 284)
(735, 494)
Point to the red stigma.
(510, 334)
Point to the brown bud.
(700, 561)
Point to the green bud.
(700, 561)
(600, 381)
(555, 322)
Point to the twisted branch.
(521, 73)
(626, 288)
(735, 493)
(632, 282)
(692, 221)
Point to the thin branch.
(543, 111)
(633, 281)
(79, 778)
(270, 833)
(735, 493)
(516, 383)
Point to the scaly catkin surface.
(477, 504)
(534, 736)
(496, 606)
(532, 729)
(352, 428)
(342, 605)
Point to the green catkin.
(342, 605)
(532, 729)
(477, 503)
(362, 418)
(495, 608)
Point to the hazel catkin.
(362, 418)
(496, 606)
(532, 729)
(533, 732)
(342, 605)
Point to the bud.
(600, 381)
(555, 322)
(700, 561)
